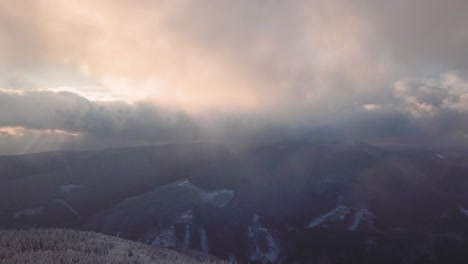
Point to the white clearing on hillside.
(264, 248)
(29, 212)
(186, 241)
(440, 156)
(232, 258)
(464, 211)
(166, 238)
(219, 198)
(338, 212)
(66, 205)
(203, 240)
(362, 216)
(187, 216)
(185, 183)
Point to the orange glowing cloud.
(21, 131)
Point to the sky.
(78, 74)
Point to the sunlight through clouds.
(98, 67)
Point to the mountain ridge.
(259, 205)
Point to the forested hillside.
(46, 246)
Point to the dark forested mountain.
(290, 202)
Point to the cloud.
(28, 115)
(429, 96)
(422, 36)
(234, 69)
(424, 111)
(20, 140)
(248, 55)
(230, 55)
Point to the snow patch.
(203, 240)
(264, 248)
(66, 205)
(255, 220)
(187, 216)
(339, 212)
(362, 216)
(29, 212)
(232, 258)
(464, 211)
(219, 198)
(186, 241)
(166, 238)
(185, 183)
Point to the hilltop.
(69, 246)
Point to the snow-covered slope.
(67, 247)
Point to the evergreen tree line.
(60, 246)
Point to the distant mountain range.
(289, 202)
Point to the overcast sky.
(82, 73)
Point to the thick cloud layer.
(31, 120)
(386, 71)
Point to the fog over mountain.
(78, 74)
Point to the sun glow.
(11, 131)
(21, 131)
(90, 93)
